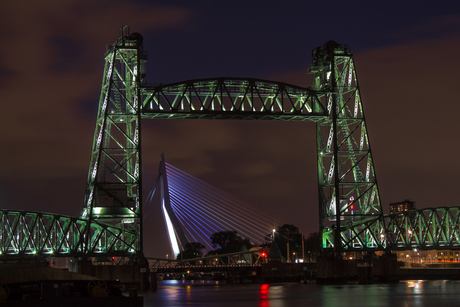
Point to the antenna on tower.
(124, 31)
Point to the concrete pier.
(370, 269)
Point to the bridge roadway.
(240, 267)
(247, 258)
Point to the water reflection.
(416, 293)
(263, 295)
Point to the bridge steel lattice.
(350, 211)
(27, 233)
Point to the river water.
(208, 293)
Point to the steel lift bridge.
(350, 211)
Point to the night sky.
(51, 65)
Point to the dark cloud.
(54, 60)
(411, 109)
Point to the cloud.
(51, 62)
(411, 107)
(411, 104)
(441, 27)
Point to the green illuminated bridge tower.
(350, 212)
(348, 191)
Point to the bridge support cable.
(224, 205)
(228, 212)
(202, 209)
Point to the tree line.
(286, 237)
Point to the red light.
(113, 258)
(263, 254)
(351, 207)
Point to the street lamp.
(273, 236)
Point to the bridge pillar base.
(330, 270)
(145, 283)
(385, 268)
(128, 274)
(153, 280)
(333, 270)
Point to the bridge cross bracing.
(350, 212)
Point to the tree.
(228, 242)
(288, 233)
(191, 250)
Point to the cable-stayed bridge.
(350, 212)
(194, 210)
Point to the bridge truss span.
(25, 233)
(233, 98)
(420, 229)
(425, 229)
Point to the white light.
(172, 237)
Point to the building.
(428, 256)
(404, 205)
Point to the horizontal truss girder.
(232, 98)
(422, 229)
(25, 233)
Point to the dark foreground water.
(407, 293)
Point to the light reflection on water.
(414, 293)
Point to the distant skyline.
(51, 65)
